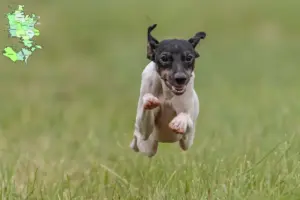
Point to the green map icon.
(23, 27)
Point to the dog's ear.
(152, 43)
(196, 39)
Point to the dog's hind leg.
(147, 147)
(187, 140)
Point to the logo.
(22, 27)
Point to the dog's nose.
(180, 78)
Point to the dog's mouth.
(177, 90)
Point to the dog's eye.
(164, 58)
(189, 58)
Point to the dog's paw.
(179, 124)
(150, 102)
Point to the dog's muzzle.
(177, 90)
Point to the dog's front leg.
(148, 105)
(144, 126)
(145, 116)
(185, 122)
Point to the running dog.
(168, 105)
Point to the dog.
(168, 105)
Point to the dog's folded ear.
(196, 39)
(152, 43)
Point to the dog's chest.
(163, 117)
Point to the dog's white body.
(163, 116)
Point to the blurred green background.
(68, 114)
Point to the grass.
(66, 118)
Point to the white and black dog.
(168, 105)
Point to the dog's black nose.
(180, 78)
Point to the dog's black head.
(175, 59)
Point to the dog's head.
(175, 59)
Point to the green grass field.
(66, 118)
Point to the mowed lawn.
(67, 117)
